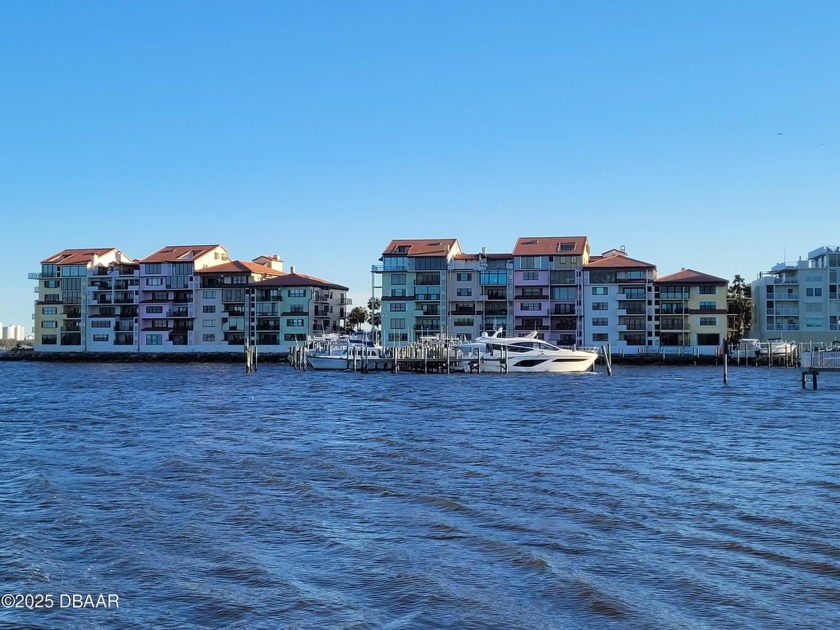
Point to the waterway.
(203, 497)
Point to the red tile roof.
(179, 253)
(689, 276)
(299, 280)
(422, 247)
(77, 256)
(623, 262)
(240, 266)
(549, 245)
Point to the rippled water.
(204, 497)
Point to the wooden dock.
(813, 362)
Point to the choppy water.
(204, 497)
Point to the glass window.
(600, 321)
(530, 275)
(208, 337)
(49, 310)
(600, 306)
(151, 268)
(208, 323)
(463, 277)
(397, 278)
(154, 339)
(600, 290)
(397, 323)
(208, 295)
(297, 293)
(464, 292)
(397, 307)
(208, 308)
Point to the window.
(154, 310)
(208, 337)
(154, 282)
(208, 308)
(100, 323)
(567, 247)
(532, 306)
(813, 292)
(397, 307)
(532, 292)
(100, 337)
(563, 293)
(151, 268)
(154, 339)
(463, 277)
(49, 310)
(529, 262)
(600, 290)
(601, 337)
(530, 275)
(397, 337)
(49, 271)
(425, 263)
(397, 278)
(397, 292)
(49, 324)
(493, 277)
(707, 290)
(49, 340)
(708, 321)
(182, 268)
(51, 284)
(72, 271)
(633, 293)
(708, 306)
(239, 280)
(464, 292)
(295, 322)
(600, 321)
(297, 293)
(294, 337)
(600, 306)
(208, 323)
(208, 295)
(296, 308)
(398, 323)
(708, 340)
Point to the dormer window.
(566, 247)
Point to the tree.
(357, 317)
(375, 317)
(740, 306)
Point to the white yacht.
(354, 352)
(494, 353)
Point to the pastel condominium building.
(799, 301)
(188, 298)
(551, 285)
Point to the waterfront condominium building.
(691, 308)
(414, 285)
(190, 298)
(618, 301)
(547, 286)
(799, 301)
(87, 299)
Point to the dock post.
(725, 368)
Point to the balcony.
(462, 311)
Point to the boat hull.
(343, 363)
(574, 362)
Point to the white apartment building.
(799, 301)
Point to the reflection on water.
(202, 496)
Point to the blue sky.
(696, 134)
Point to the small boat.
(494, 353)
(354, 352)
(752, 348)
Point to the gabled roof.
(621, 262)
(77, 256)
(549, 245)
(421, 247)
(689, 276)
(240, 266)
(179, 253)
(299, 280)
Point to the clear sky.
(696, 134)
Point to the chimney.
(292, 269)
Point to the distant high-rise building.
(12, 331)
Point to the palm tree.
(375, 317)
(357, 317)
(740, 306)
